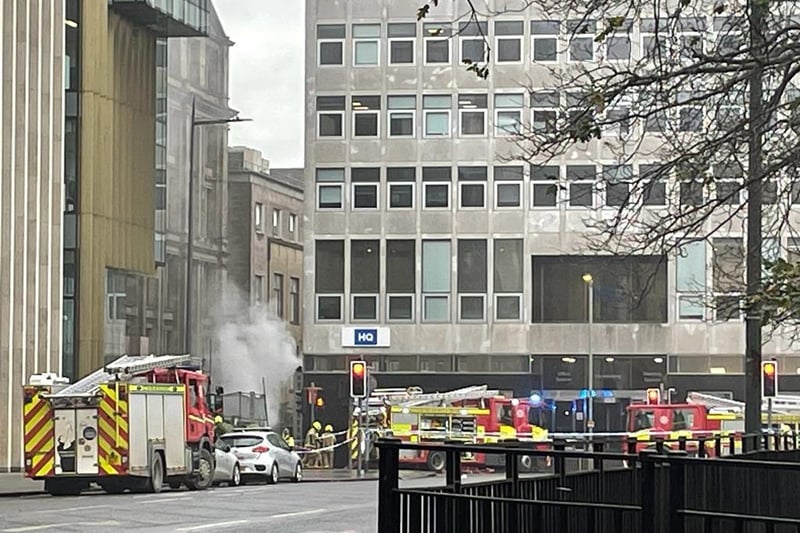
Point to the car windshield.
(242, 441)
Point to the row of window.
(691, 113)
(576, 186)
(550, 41)
(284, 225)
(499, 364)
(277, 300)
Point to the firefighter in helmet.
(312, 443)
(328, 441)
(288, 438)
(221, 427)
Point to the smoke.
(252, 344)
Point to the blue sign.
(365, 337)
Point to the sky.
(266, 76)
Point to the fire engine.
(472, 414)
(702, 415)
(135, 424)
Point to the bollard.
(682, 443)
(701, 447)
(597, 462)
(660, 445)
(718, 446)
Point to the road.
(329, 507)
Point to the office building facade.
(440, 256)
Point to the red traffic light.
(358, 379)
(769, 379)
(358, 369)
(320, 402)
(769, 369)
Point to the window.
(690, 267)
(508, 270)
(472, 186)
(544, 36)
(653, 38)
(581, 39)
(508, 41)
(402, 37)
(276, 222)
(330, 116)
(617, 180)
(508, 185)
(544, 111)
(258, 289)
(401, 115)
(691, 184)
(436, 182)
(294, 300)
(728, 272)
(277, 294)
(365, 274)
(692, 30)
(728, 183)
(471, 278)
(580, 180)
(329, 278)
(730, 38)
(654, 191)
(436, 268)
(258, 216)
(365, 115)
(292, 226)
(473, 46)
(437, 115)
(690, 111)
(472, 113)
(508, 114)
(628, 289)
(544, 181)
(401, 187)
(329, 188)
(618, 43)
(437, 43)
(365, 187)
(400, 279)
(769, 192)
(330, 44)
(366, 47)
(618, 119)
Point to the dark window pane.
(508, 195)
(365, 308)
(471, 265)
(329, 266)
(401, 124)
(545, 49)
(691, 193)
(330, 103)
(581, 194)
(364, 266)
(401, 52)
(508, 308)
(729, 192)
(472, 50)
(728, 266)
(330, 125)
(401, 174)
(619, 47)
(401, 195)
(655, 193)
(400, 308)
(472, 195)
(330, 308)
(727, 307)
(509, 50)
(437, 195)
(365, 196)
(626, 289)
(472, 307)
(473, 123)
(508, 265)
(330, 196)
(366, 125)
(330, 54)
(545, 194)
(330, 31)
(769, 192)
(400, 266)
(437, 51)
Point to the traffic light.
(319, 402)
(769, 379)
(653, 396)
(358, 379)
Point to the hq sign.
(377, 337)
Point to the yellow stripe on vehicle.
(39, 432)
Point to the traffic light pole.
(769, 415)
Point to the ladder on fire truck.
(780, 404)
(122, 368)
(414, 397)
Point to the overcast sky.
(266, 75)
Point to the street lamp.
(190, 215)
(589, 281)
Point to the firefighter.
(328, 440)
(221, 427)
(288, 438)
(312, 443)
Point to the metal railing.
(659, 490)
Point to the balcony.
(167, 18)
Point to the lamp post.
(589, 281)
(190, 216)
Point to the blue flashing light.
(536, 398)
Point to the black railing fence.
(660, 489)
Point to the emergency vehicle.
(472, 414)
(701, 416)
(135, 424)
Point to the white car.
(228, 469)
(264, 455)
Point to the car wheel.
(236, 477)
(272, 479)
(298, 473)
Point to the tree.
(699, 117)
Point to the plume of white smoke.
(252, 344)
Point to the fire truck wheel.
(63, 487)
(436, 461)
(526, 463)
(205, 472)
(156, 480)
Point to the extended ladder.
(414, 397)
(780, 404)
(125, 366)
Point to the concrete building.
(265, 238)
(196, 68)
(31, 177)
(445, 264)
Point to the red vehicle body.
(670, 422)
